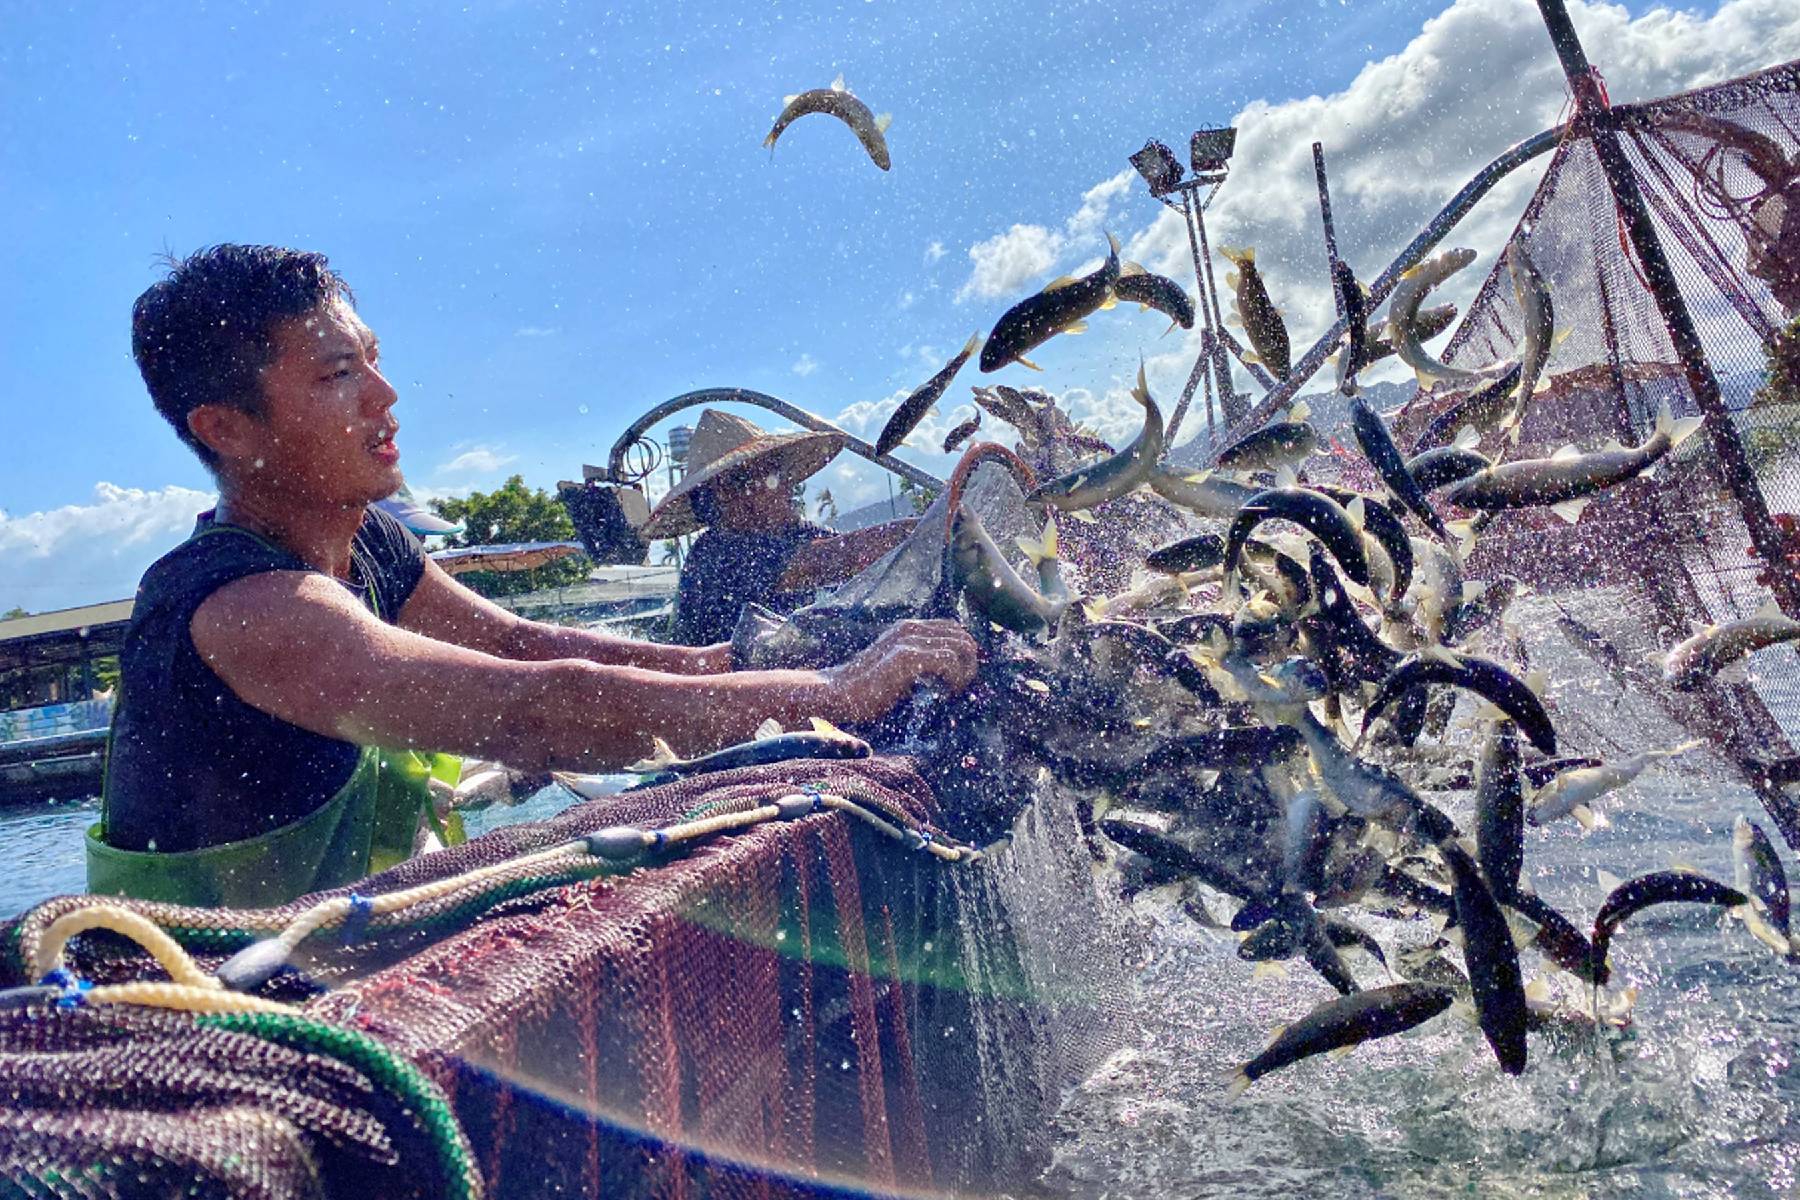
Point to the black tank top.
(191, 765)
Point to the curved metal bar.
(1411, 256)
(792, 412)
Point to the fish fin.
(1026, 363)
(1141, 392)
(1112, 244)
(1269, 970)
(1237, 1085)
(1473, 589)
(1286, 476)
(1523, 929)
(1083, 515)
(1454, 935)
(1060, 282)
(883, 121)
(787, 100)
(1251, 360)
(1231, 281)
(768, 729)
(1463, 534)
(1300, 411)
(1565, 453)
(1608, 880)
(1275, 1035)
(1356, 510)
(1465, 1012)
(969, 347)
(837, 85)
(1075, 327)
(1571, 510)
(1343, 1051)
(821, 725)
(1589, 819)
(770, 143)
(1111, 302)
(1247, 255)
(1172, 323)
(1467, 438)
(1539, 991)
(1615, 444)
(1131, 268)
(1685, 429)
(1542, 386)
(1197, 477)
(1562, 336)
(1770, 609)
(661, 755)
(1441, 654)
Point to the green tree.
(513, 513)
(1774, 416)
(11, 613)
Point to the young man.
(299, 627)
(758, 545)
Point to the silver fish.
(1759, 875)
(912, 410)
(1345, 1022)
(1284, 443)
(1717, 647)
(1084, 488)
(838, 102)
(992, 587)
(1430, 322)
(1205, 494)
(1539, 312)
(1563, 481)
(1404, 325)
(1573, 793)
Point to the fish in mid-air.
(1717, 647)
(1761, 877)
(1087, 486)
(1062, 307)
(912, 410)
(1139, 286)
(1346, 1022)
(1404, 326)
(961, 433)
(1355, 303)
(837, 101)
(1257, 313)
(1539, 312)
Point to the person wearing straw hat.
(293, 669)
(741, 486)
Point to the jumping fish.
(1759, 875)
(1429, 323)
(1489, 680)
(1378, 447)
(1556, 938)
(1205, 493)
(1480, 410)
(1355, 304)
(1344, 1023)
(1189, 554)
(1488, 948)
(1539, 312)
(993, 588)
(1314, 512)
(1565, 480)
(1480, 609)
(1445, 465)
(913, 409)
(1658, 887)
(1364, 654)
(1149, 835)
(838, 102)
(1284, 443)
(823, 740)
(1380, 523)
(1062, 307)
(1717, 647)
(1257, 313)
(1500, 810)
(1403, 318)
(1044, 553)
(1138, 286)
(961, 433)
(1084, 488)
(1363, 788)
(1573, 793)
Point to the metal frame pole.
(1591, 108)
(1229, 405)
(1331, 250)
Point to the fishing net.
(1720, 172)
(798, 1002)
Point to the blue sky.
(556, 217)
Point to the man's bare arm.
(834, 559)
(444, 609)
(297, 646)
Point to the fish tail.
(1236, 1085)
(1676, 431)
(661, 755)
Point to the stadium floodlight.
(1159, 167)
(1210, 150)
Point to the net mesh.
(1720, 172)
(796, 1003)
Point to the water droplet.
(582, 409)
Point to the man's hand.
(883, 675)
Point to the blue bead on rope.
(356, 921)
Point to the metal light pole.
(1592, 110)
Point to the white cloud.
(480, 460)
(537, 331)
(90, 553)
(934, 251)
(1007, 261)
(805, 365)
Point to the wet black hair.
(202, 335)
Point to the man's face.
(327, 427)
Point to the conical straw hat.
(724, 442)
